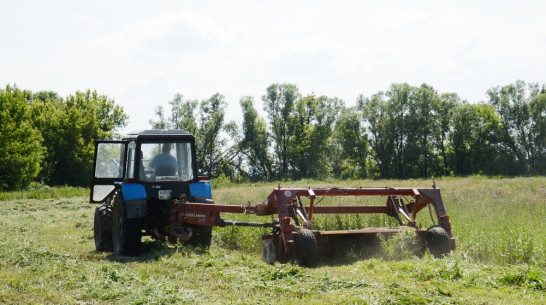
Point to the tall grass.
(499, 220)
(494, 220)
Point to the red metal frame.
(282, 199)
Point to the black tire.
(305, 248)
(103, 228)
(438, 242)
(201, 236)
(126, 232)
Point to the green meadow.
(47, 253)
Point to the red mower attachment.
(293, 237)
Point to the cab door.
(108, 168)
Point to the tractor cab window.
(110, 159)
(166, 161)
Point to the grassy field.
(47, 254)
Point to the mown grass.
(47, 256)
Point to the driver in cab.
(164, 164)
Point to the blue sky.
(140, 53)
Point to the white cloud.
(180, 31)
(79, 19)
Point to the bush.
(21, 152)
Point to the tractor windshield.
(166, 161)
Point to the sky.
(141, 53)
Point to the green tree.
(162, 122)
(513, 105)
(537, 132)
(407, 130)
(183, 114)
(211, 124)
(310, 126)
(47, 109)
(404, 130)
(21, 152)
(476, 142)
(447, 105)
(254, 144)
(381, 140)
(423, 118)
(69, 128)
(398, 110)
(278, 103)
(350, 134)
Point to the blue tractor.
(136, 180)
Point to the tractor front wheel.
(103, 228)
(126, 232)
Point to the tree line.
(403, 132)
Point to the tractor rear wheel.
(126, 232)
(103, 228)
(438, 242)
(201, 236)
(305, 248)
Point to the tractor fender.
(135, 199)
(201, 189)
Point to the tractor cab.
(162, 162)
(141, 175)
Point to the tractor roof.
(157, 133)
